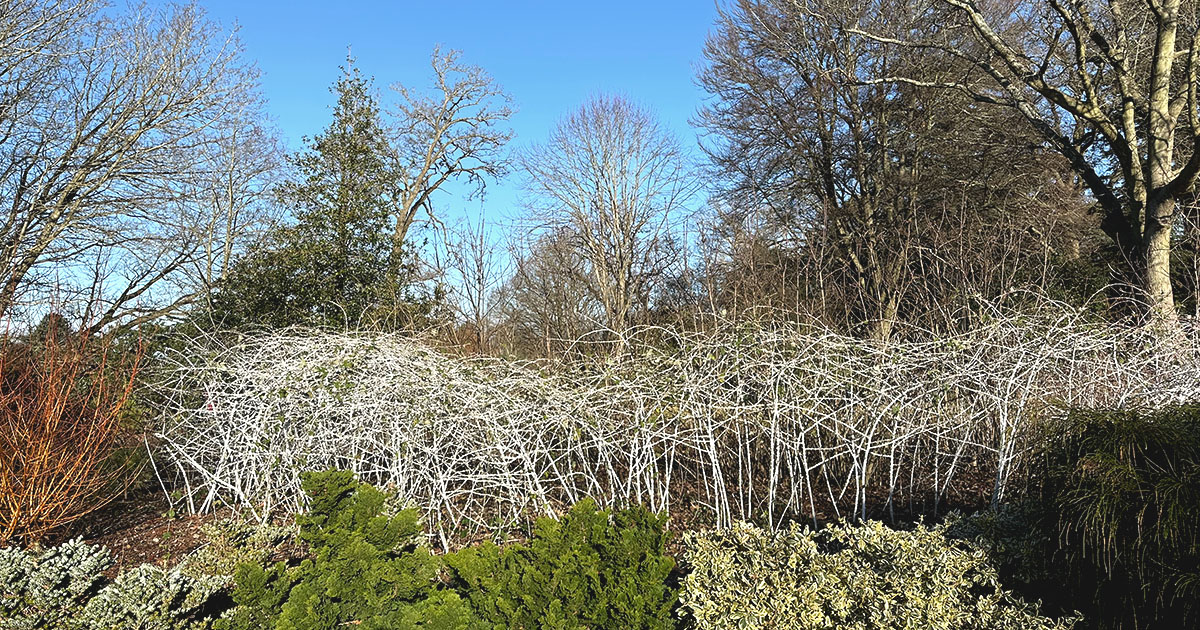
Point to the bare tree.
(548, 303)
(834, 190)
(131, 151)
(25, 29)
(456, 132)
(1111, 85)
(245, 169)
(796, 135)
(481, 267)
(613, 182)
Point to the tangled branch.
(768, 423)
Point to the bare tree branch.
(137, 138)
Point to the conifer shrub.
(147, 597)
(367, 568)
(43, 590)
(64, 588)
(849, 577)
(591, 569)
(1116, 501)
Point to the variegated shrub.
(847, 577)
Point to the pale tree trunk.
(881, 330)
(1156, 254)
(1160, 209)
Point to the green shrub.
(63, 588)
(852, 577)
(592, 569)
(1014, 543)
(1117, 500)
(232, 543)
(367, 569)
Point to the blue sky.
(550, 56)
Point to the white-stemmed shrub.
(742, 422)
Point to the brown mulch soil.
(139, 528)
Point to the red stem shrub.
(60, 424)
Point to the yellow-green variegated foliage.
(847, 577)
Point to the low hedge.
(368, 566)
(848, 577)
(64, 588)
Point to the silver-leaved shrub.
(47, 589)
(232, 542)
(64, 588)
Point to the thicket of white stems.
(762, 423)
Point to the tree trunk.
(1160, 208)
(1156, 263)
(881, 329)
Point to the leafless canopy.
(548, 302)
(614, 183)
(131, 155)
(454, 132)
(857, 199)
(479, 266)
(1110, 84)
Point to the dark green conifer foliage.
(336, 265)
(593, 569)
(366, 570)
